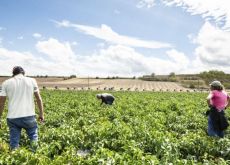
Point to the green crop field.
(140, 128)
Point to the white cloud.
(56, 51)
(125, 61)
(146, 3)
(9, 59)
(179, 58)
(213, 46)
(219, 10)
(213, 40)
(63, 23)
(37, 35)
(59, 59)
(107, 34)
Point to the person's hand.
(41, 118)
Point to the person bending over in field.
(106, 98)
(20, 91)
(218, 101)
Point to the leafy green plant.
(140, 128)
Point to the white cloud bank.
(107, 34)
(9, 59)
(121, 58)
(56, 51)
(212, 40)
(60, 64)
(59, 59)
(218, 10)
(213, 47)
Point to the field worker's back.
(107, 98)
(20, 92)
(219, 99)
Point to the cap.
(216, 84)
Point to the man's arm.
(2, 103)
(40, 106)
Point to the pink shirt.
(218, 99)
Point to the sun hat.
(216, 84)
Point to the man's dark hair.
(18, 70)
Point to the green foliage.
(140, 128)
(172, 74)
(209, 76)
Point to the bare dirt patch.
(115, 84)
(106, 84)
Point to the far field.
(106, 84)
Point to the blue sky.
(114, 37)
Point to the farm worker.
(106, 98)
(20, 91)
(218, 101)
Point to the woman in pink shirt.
(218, 101)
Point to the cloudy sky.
(114, 37)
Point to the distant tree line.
(192, 80)
(209, 76)
(64, 77)
(115, 77)
(152, 77)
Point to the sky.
(114, 37)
